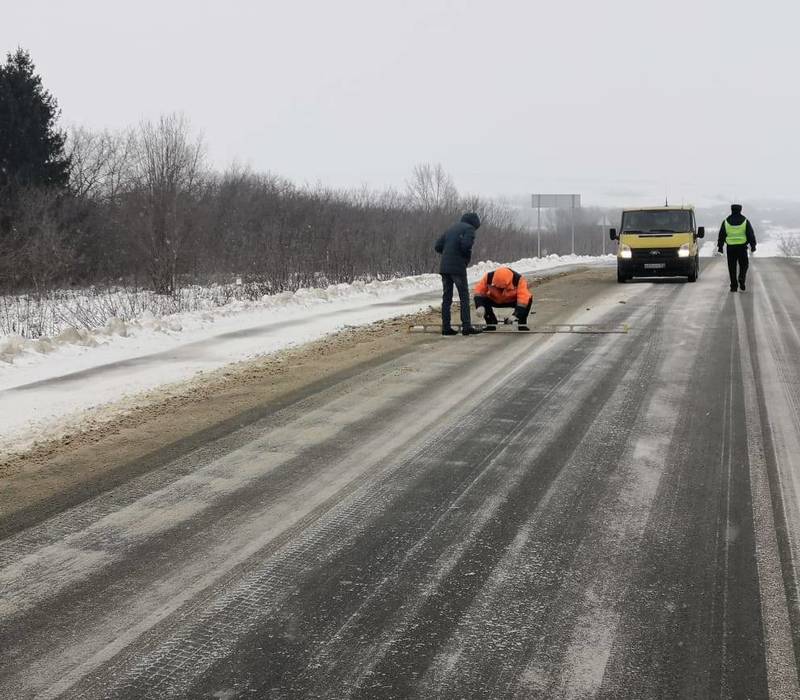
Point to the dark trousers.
(460, 282)
(490, 305)
(737, 254)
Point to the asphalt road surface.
(507, 516)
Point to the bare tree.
(44, 253)
(85, 151)
(789, 244)
(431, 188)
(142, 209)
(168, 168)
(100, 162)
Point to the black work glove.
(752, 249)
(719, 249)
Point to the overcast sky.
(616, 99)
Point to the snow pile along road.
(46, 381)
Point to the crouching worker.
(505, 289)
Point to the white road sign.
(556, 201)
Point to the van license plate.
(654, 266)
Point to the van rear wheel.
(621, 278)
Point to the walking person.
(503, 288)
(737, 233)
(455, 247)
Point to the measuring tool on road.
(587, 328)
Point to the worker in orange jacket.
(503, 288)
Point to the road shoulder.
(119, 442)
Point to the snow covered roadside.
(46, 382)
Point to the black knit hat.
(472, 219)
(736, 208)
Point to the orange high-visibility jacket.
(504, 286)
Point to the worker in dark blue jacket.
(455, 247)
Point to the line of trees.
(141, 206)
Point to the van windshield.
(677, 221)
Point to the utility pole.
(538, 232)
(572, 224)
(604, 222)
(554, 201)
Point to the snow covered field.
(772, 242)
(45, 382)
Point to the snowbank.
(53, 385)
(15, 347)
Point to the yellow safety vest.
(735, 235)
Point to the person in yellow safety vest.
(503, 288)
(737, 233)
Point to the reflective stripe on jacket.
(504, 286)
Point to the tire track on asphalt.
(259, 597)
(498, 641)
(691, 621)
(135, 565)
(597, 509)
(772, 380)
(194, 450)
(434, 568)
(104, 531)
(474, 514)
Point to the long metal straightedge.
(588, 328)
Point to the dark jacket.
(455, 245)
(735, 219)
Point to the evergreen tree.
(31, 146)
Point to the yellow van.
(658, 242)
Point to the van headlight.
(625, 251)
(683, 251)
